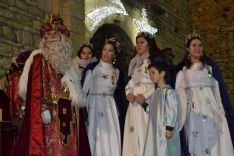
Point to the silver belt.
(102, 94)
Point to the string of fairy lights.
(143, 25)
(101, 13)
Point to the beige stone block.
(21, 5)
(2, 72)
(2, 2)
(5, 63)
(37, 40)
(37, 25)
(232, 54)
(5, 50)
(6, 13)
(36, 11)
(32, 2)
(74, 8)
(14, 24)
(24, 38)
(77, 25)
(231, 64)
(31, 29)
(26, 47)
(44, 5)
(11, 2)
(8, 33)
(24, 20)
(76, 40)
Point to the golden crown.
(192, 35)
(54, 22)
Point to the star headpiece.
(54, 23)
(114, 41)
(192, 35)
(145, 34)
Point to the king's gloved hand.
(46, 116)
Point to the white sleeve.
(218, 98)
(184, 97)
(171, 106)
(148, 94)
(86, 85)
(129, 87)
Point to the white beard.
(57, 53)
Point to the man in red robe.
(10, 102)
(51, 97)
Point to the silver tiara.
(192, 35)
(114, 41)
(145, 34)
(87, 44)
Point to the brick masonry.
(216, 25)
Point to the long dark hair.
(187, 59)
(153, 48)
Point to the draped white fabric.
(103, 123)
(136, 118)
(163, 112)
(205, 124)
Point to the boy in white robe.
(163, 137)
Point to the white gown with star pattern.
(103, 122)
(205, 124)
(136, 121)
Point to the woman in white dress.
(205, 124)
(138, 91)
(80, 62)
(100, 85)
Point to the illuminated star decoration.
(143, 25)
(101, 13)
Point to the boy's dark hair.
(162, 66)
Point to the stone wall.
(216, 25)
(74, 16)
(171, 17)
(20, 21)
(173, 26)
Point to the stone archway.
(112, 30)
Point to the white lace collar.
(106, 65)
